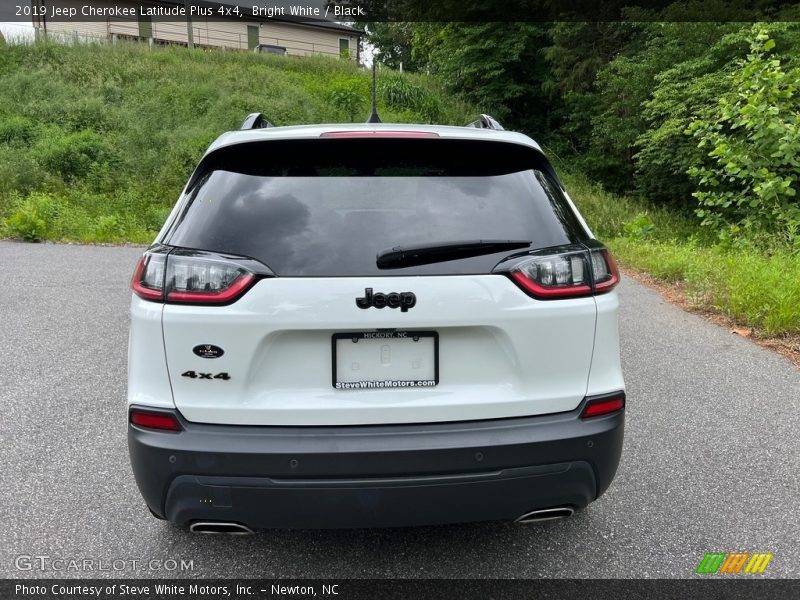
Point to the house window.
(344, 48)
(270, 49)
(252, 37)
(145, 27)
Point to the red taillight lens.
(554, 276)
(155, 420)
(379, 134)
(188, 279)
(148, 277)
(603, 406)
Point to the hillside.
(96, 142)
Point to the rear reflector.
(153, 420)
(379, 134)
(603, 406)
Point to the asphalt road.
(711, 456)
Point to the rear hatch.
(381, 299)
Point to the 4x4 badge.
(401, 300)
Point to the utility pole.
(43, 18)
(189, 24)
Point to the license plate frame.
(377, 335)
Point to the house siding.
(298, 39)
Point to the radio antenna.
(374, 118)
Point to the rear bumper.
(375, 476)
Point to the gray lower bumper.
(375, 476)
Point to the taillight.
(554, 276)
(567, 274)
(196, 280)
(604, 405)
(186, 277)
(154, 420)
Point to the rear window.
(328, 207)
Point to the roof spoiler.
(255, 121)
(486, 122)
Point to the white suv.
(373, 325)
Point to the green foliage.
(349, 97)
(96, 142)
(494, 66)
(16, 130)
(394, 43)
(27, 225)
(640, 227)
(753, 288)
(33, 218)
(757, 288)
(612, 98)
(75, 155)
(609, 214)
(752, 141)
(402, 94)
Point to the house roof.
(247, 9)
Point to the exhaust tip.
(546, 514)
(220, 528)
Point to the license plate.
(385, 359)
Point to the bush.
(34, 217)
(16, 130)
(349, 97)
(749, 180)
(107, 229)
(400, 93)
(639, 227)
(73, 155)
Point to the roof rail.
(255, 121)
(486, 122)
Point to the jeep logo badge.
(401, 300)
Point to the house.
(218, 27)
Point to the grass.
(757, 288)
(96, 141)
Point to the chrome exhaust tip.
(220, 528)
(546, 514)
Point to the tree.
(393, 43)
(749, 180)
(498, 67)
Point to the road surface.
(710, 462)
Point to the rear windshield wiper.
(425, 254)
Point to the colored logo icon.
(734, 562)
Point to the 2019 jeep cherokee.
(373, 325)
